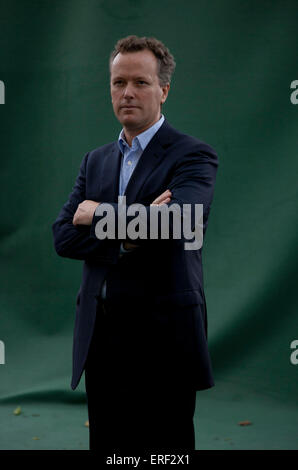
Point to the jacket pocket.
(180, 299)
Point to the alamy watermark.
(2, 353)
(294, 94)
(165, 222)
(294, 354)
(2, 92)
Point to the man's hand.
(84, 213)
(164, 198)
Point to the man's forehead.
(138, 61)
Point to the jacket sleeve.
(72, 241)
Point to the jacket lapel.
(150, 158)
(109, 175)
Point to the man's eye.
(141, 82)
(118, 82)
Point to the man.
(141, 327)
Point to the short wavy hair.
(165, 60)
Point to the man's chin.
(130, 122)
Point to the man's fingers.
(163, 198)
(165, 201)
(75, 217)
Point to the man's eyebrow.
(139, 77)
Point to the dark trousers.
(128, 414)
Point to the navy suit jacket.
(160, 281)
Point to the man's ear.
(165, 91)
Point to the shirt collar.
(140, 140)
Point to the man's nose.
(128, 91)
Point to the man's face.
(135, 90)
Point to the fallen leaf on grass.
(87, 424)
(17, 411)
(244, 423)
(35, 438)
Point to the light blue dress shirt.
(130, 158)
(131, 155)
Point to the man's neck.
(130, 134)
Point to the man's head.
(141, 70)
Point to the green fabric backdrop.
(235, 64)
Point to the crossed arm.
(85, 212)
(192, 183)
